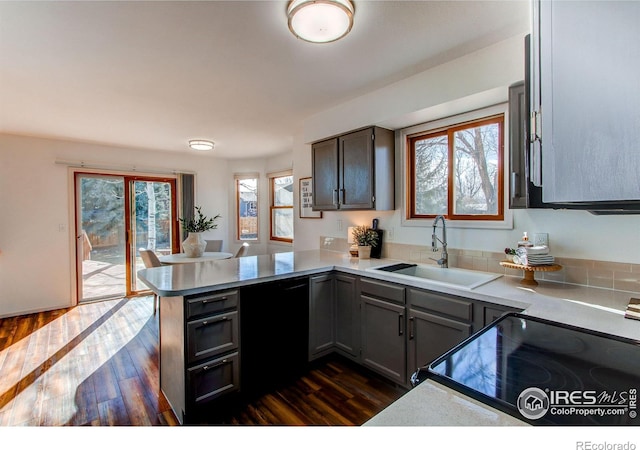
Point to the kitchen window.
(281, 208)
(247, 207)
(457, 171)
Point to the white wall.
(474, 81)
(36, 260)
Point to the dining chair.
(242, 251)
(214, 245)
(150, 259)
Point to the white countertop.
(430, 403)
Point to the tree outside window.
(457, 171)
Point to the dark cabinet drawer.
(454, 307)
(210, 336)
(387, 291)
(211, 304)
(214, 378)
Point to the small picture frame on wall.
(306, 200)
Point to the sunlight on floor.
(69, 350)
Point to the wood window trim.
(273, 208)
(449, 132)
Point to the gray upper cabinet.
(354, 171)
(585, 87)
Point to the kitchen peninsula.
(205, 331)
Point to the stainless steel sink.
(461, 278)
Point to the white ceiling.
(155, 74)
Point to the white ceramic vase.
(193, 246)
(364, 251)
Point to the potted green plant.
(193, 246)
(366, 238)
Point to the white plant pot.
(364, 251)
(193, 246)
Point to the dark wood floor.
(97, 364)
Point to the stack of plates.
(539, 260)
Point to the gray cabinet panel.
(589, 62)
(355, 171)
(383, 338)
(321, 315)
(210, 304)
(325, 174)
(388, 291)
(214, 378)
(431, 336)
(442, 304)
(347, 337)
(211, 336)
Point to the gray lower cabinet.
(347, 330)
(199, 349)
(383, 325)
(334, 316)
(437, 323)
(322, 311)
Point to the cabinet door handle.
(400, 323)
(342, 192)
(335, 197)
(515, 186)
(411, 330)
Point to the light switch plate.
(541, 239)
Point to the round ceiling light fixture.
(320, 21)
(200, 144)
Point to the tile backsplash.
(584, 272)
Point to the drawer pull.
(205, 368)
(208, 300)
(221, 319)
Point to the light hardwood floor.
(97, 364)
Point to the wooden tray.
(529, 271)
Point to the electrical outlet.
(390, 234)
(339, 225)
(541, 239)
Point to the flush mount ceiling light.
(320, 20)
(199, 144)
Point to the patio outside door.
(116, 216)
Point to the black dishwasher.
(274, 333)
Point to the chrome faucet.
(443, 262)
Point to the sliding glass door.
(116, 216)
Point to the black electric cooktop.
(545, 373)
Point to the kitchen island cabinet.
(592, 308)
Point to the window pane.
(283, 191)
(283, 223)
(476, 170)
(247, 209)
(431, 160)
